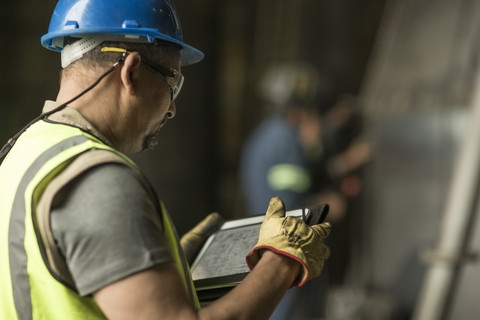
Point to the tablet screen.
(221, 262)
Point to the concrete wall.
(417, 96)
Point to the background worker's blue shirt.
(273, 164)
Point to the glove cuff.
(253, 257)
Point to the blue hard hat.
(119, 20)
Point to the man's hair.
(96, 59)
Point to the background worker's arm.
(158, 293)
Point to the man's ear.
(130, 71)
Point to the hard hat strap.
(76, 50)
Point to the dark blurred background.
(411, 64)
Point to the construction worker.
(82, 233)
(281, 157)
(277, 154)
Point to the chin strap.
(7, 146)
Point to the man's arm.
(288, 252)
(158, 293)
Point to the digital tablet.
(220, 264)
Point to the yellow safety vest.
(28, 287)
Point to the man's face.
(157, 106)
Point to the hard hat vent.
(130, 24)
(71, 24)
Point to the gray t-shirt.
(107, 227)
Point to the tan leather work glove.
(192, 241)
(293, 238)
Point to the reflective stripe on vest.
(22, 241)
(16, 231)
(21, 228)
(288, 177)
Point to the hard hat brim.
(189, 55)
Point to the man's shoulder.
(94, 175)
(106, 169)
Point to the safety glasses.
(173, 77)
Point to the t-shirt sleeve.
(107, 227)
